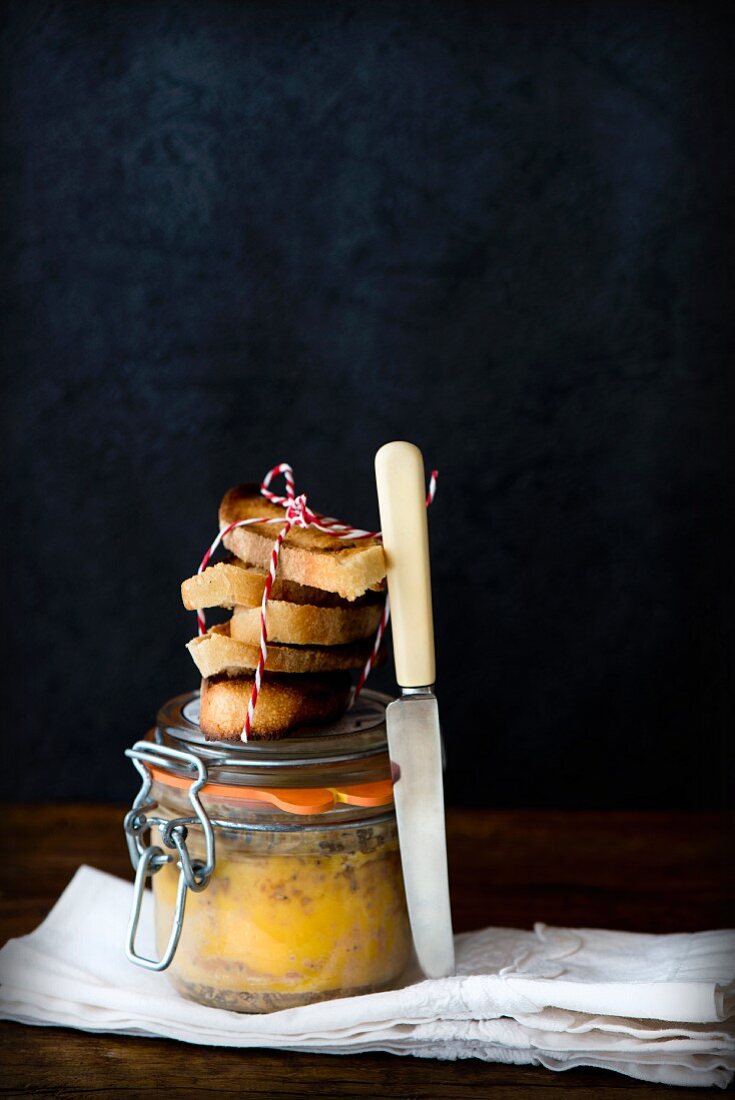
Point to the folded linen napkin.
(653, 1007)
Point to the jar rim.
(306, 801)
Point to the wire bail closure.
(147, 860)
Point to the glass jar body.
(294, 912)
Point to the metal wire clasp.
(148, 859)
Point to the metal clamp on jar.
(289, 850)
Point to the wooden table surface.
(651, 872)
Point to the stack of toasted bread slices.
(323, 611)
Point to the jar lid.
(349, 752)
(358, 733)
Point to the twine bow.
(297, 514)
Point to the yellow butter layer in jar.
(290, 918)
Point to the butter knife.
(412, 721)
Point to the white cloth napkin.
(654, 1007)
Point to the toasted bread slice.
(346, 566)
(233, 582)
(284, 704)
(217, 652)
(301, 624)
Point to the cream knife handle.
(399, 473)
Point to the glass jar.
(275, 865)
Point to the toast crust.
(348, 567)
(284, 704)
(232, 583)
(216, 653)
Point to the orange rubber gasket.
(293, 800)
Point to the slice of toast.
(233, 582)
(304, 625)
(348, 567)
(284, 703)
(216, 652)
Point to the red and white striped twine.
(298, 514)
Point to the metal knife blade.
(414, 743)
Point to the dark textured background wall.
(239, 233)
